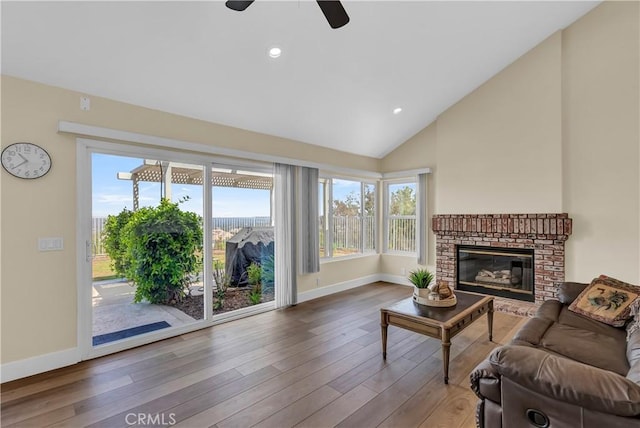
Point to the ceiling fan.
(333, 10)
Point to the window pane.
(142, 274)
(402, 199)
(347, 227)
(243, 239)
(402, 217)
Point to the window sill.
(400, 253)
(349, 257)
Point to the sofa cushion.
(606, 300)
(588, 347)
(566, 317)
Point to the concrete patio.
(114, 309)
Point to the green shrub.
(113, 242)
(254, 273)
(163, 248)
(256, 295)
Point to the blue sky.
(111, 195)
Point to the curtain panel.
(307, 204)
(421, 215)
(286, 292)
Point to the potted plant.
(421, 279)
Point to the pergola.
(169, 173)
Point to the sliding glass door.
(165, 253)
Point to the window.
(347, 221)
(400, 217)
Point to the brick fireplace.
(545, 234)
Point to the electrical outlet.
(85, 103)
(317, 282)
(403, 271)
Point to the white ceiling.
(333, 88)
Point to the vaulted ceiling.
(330, 87)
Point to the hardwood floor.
(318, 364)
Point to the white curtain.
(421, 214)
(307, 203)
(286, 292)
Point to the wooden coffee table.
(439, 323)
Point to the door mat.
(129, 332)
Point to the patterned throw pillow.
(607, 300)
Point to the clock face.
(26, 160)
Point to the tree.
(349, 207)
(113, 241)
(403, 202)
(369, 200)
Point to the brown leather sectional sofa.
(561, 370)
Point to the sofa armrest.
(569, 291)
(567, 380)
(485, 382)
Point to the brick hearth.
(544, 233)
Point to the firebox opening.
(506, 272)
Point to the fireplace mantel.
(544, 233)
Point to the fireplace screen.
(500, 271)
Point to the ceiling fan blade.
(334, 12)
(238, 4)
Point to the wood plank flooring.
(317, 364)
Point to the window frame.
(386, 217)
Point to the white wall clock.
(26, 160)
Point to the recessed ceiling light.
(275, 52)
(397, 110)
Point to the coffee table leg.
(446, 348)
(490, 320)
(384, 325)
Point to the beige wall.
(601, 142)
(39, 288)
(338, 271)
(556, 131)
(499, 148)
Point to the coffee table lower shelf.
(439, 323)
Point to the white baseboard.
(394, 279)
(40, 364)
(335, 288)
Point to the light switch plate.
(50, 244)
